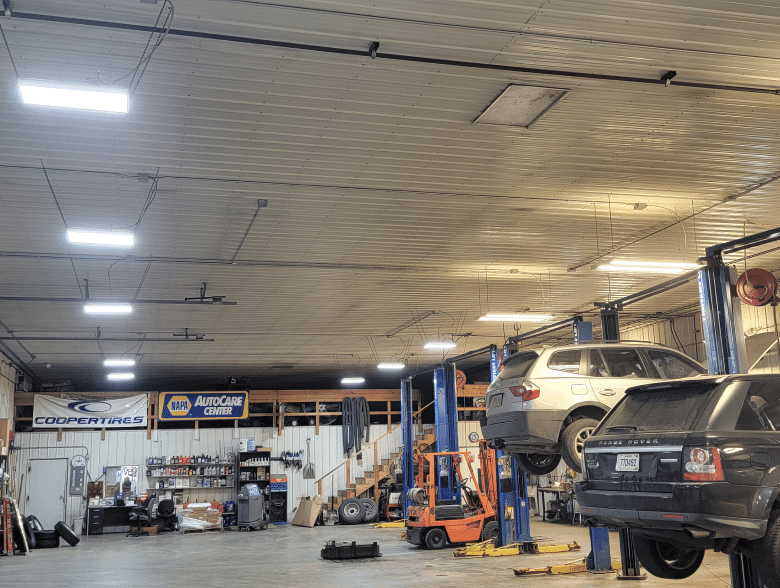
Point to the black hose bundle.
(355, 422)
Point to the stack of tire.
(354, 511)
(39, 538)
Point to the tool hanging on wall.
(290, 459)
(308, 471)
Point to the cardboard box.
(309, 508)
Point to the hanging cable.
(146, 56)
(11, 57)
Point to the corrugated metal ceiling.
(384, 202)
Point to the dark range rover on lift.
(690, 465)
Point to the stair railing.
(348, 462)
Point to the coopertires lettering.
(89, 421)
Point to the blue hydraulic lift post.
(407, 462)
(721, 324)
(446, 419)
(516, 529)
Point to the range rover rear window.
(673, 409)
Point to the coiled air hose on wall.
(355, 422)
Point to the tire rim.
(579, 441)
(540, 460)
(351, 510)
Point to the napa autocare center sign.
(191, 406)
(113, 413)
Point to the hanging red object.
(757, 287)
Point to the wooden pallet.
(216, 528)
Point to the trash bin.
(251, 508)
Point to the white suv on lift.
(545, 402)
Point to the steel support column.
(407, 458)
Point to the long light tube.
(116, 238)
(119, 362)
(77, 96)
(391, 365)
(528, 318)
(121, 376)
(98, 308)
(648, 267)
(353, 380)
(439, 345)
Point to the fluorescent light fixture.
(521, 106)
(648, 267)
(355, 380)
(390, 365)
(121, 376)
(440, 345)
(118, 238)
(119, 362)
(507, 318)
(98, 308)
(79, 96)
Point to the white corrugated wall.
(681, 333)
(133, 448)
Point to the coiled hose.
(355, 422)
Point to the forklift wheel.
(490, 531)
(436, 538)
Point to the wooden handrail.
(414, 414)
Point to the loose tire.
(436, 538)
(47, 543)
(666, 560)
(30, 532)
(66, 533)
(538, 464)
(371, 508)
(490, 531)
(572, 441)
(351, 511)
(768, 551)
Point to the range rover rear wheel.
(768, 552)
(573, 440)
(666, 560)
(538, 464)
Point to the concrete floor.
(286, 556)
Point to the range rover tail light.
(526, 391)
(702, 464)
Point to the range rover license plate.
(627, 462)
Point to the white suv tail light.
(702, 464)
(526, 391)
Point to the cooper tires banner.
(113, 413)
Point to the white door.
(625, 369)
(46, 480)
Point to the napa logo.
(179, 406)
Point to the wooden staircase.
(361, 486)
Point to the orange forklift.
(433, 522)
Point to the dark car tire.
(572, 441)
(351, 511)
(47, 543)
(66, 533)
(490, 531)
(30, 532)
(665, 560)
(768, 551)
(371, 508)
(537, 463)
(436, 538)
